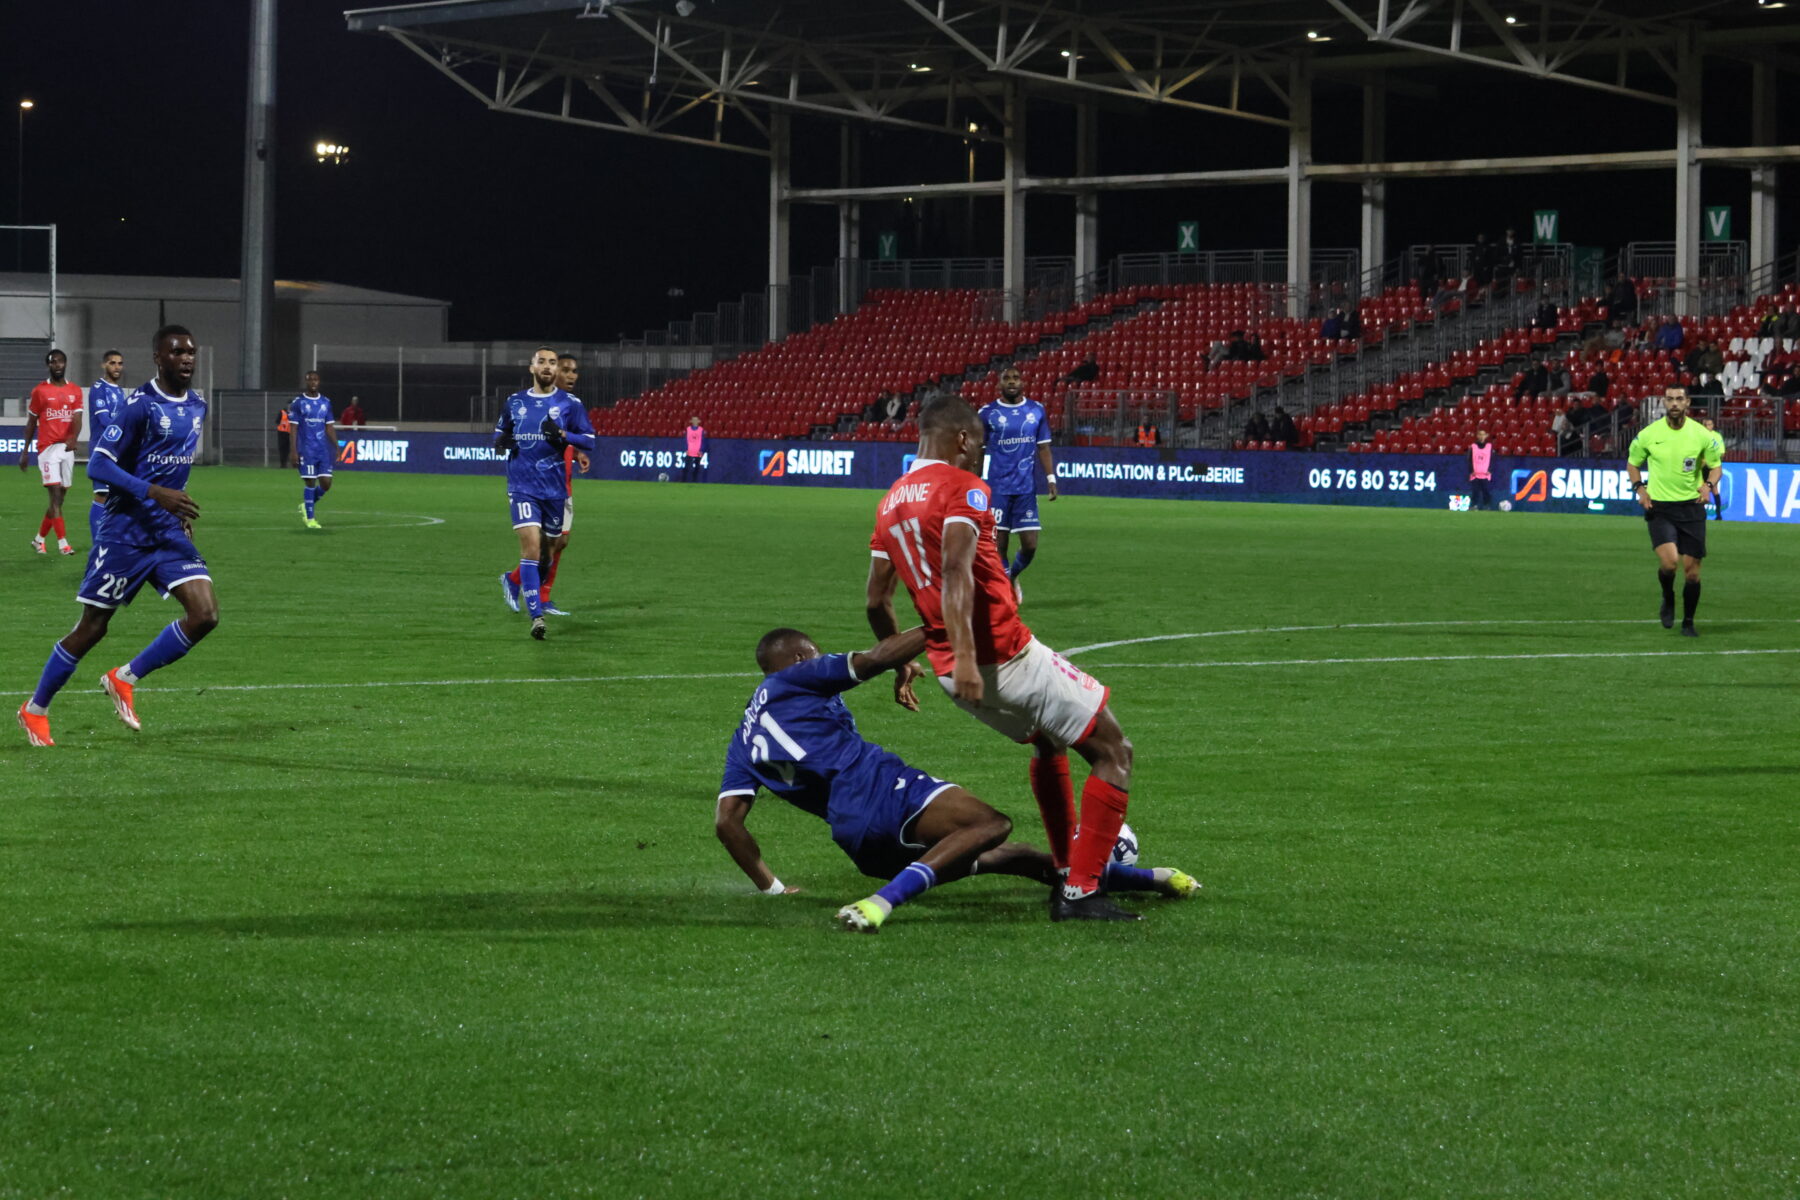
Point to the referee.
(1684, 469)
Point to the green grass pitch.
(1501, 894)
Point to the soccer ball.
(1125, 849)
(662, 477)
(1506, 506)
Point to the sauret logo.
(776, 464)
(1571, 483)
(386, 450)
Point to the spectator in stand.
(1533, 382)
(1086, 371)
(1509, 256)
(1568, 434)
(1220, 352)
(692, 468)
(1481, 260)
(1707, 384)
(1332, 328)
(1787, 326)
(1599, 382)
(1353, 327)
(1481, 471)
(1766, 326)
(1669, 335)
(1257, 428)
(1545, 317)
(1556, 380)
(1256, 350)
(1621, 298)
(1623, 412)
(353, 413)
(1706, 359)
(1282, 428)
(1461, 290)
(1239, 348)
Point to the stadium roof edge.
(436, 12)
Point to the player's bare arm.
(740, 843)
(1049, 467)
(172, 501)
(25, 449)
(895, 654)
(74, 431)
(959, 608)
(882, 580)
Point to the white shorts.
(56, 462)
(569, 513)
(1037, 691)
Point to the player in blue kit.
(105, 398)
(143, 458)
(1018, 444)
(535, 427)
(897, 823)
(315, 446)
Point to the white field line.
(1212, 633)
(1416, 658)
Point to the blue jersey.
(309, 416)
(798, 738)
(155, 437)
(104, 400)
(1014, 432)
(537, 470)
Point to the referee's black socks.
(1667, 579)
(1690, 600)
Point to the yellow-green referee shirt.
(1678, 458)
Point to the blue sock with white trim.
(311, 496)
(57, 671)
(528, 587)
(1121, 878)
(907, 884)
(1020, 561)
(163, 649)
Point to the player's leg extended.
(1103, 800)
(1666, 561)
(65, 655)
(1055, 795)
(1028, 539)
(201, 609)
(955, 828)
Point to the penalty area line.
(1418, 658)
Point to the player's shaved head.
(169, 331)
(782, 648)
(947, 415)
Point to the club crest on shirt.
(164, 422)
(978, 500)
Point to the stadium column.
(1087, 204)
(1299, 214)
(1374, 191)
(1013, 253)
(256, 301)
(849, 224)
(1687, 169)
(1762, 176)
(780, 170)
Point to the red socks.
(1056, 802)
(1102, 812)
(550, 577)
(62, 531)
(43, 527)
(512, 577)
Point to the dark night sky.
(533, 229)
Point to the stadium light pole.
(25, 106)
(256, 297)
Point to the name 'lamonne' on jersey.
(156, 437)
(537, 469)
(1014, 432)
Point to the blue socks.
(57, 671)
(311, 496)
(907, 884)
(164, 649)
(1130, 879)
(1020, 561)
(528, 587)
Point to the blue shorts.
(546, 512)
(1016, 513)
(115, 572)
(872, 813)
(313, 466)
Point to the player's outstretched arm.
(895, 654)
(882, 622)
(728, 824)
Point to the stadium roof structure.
(732, 74)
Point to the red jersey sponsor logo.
(56, 406)
(909, 530)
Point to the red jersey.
(56, 405)
(909, 532)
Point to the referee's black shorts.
(1682, 522)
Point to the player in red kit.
(55, 418)
(934, 532)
